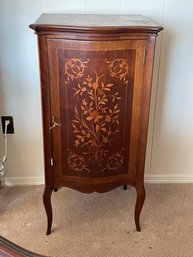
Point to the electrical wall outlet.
(10, 127)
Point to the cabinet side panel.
(145, 108)
(45, 93)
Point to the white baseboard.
(22, 181)
(164, 179)
(153, 179)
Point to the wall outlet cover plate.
(10, 127)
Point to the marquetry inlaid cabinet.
(96, 73)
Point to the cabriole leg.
(48, 208)
(140, 189)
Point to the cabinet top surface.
(94, 21)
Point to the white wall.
(19, 88)
(170, 142)
(172, 151)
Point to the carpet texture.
(100, 225)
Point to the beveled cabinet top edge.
(61, 22)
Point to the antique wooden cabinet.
(96, 73)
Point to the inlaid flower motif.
(108, 118)
(114, 161)
(94, 115)
(74, 68)
(119, 69)
(76, 162)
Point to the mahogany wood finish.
(96, 73)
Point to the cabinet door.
(95, 90)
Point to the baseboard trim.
(164, 179)
(22, 181)
(153, 179)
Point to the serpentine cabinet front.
(95, 100)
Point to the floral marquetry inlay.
(74, 68)
(119, 69)
(96, 115)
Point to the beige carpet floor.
(100, 225)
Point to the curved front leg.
(140, 189)
(48, 208)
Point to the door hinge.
(144, 56)
(52, 162)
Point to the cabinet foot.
(125, 187)
(48, 208)
(139, 204)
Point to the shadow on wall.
(161, 94)
(166, 47)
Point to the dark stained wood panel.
(93, 101)
(97, 87)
